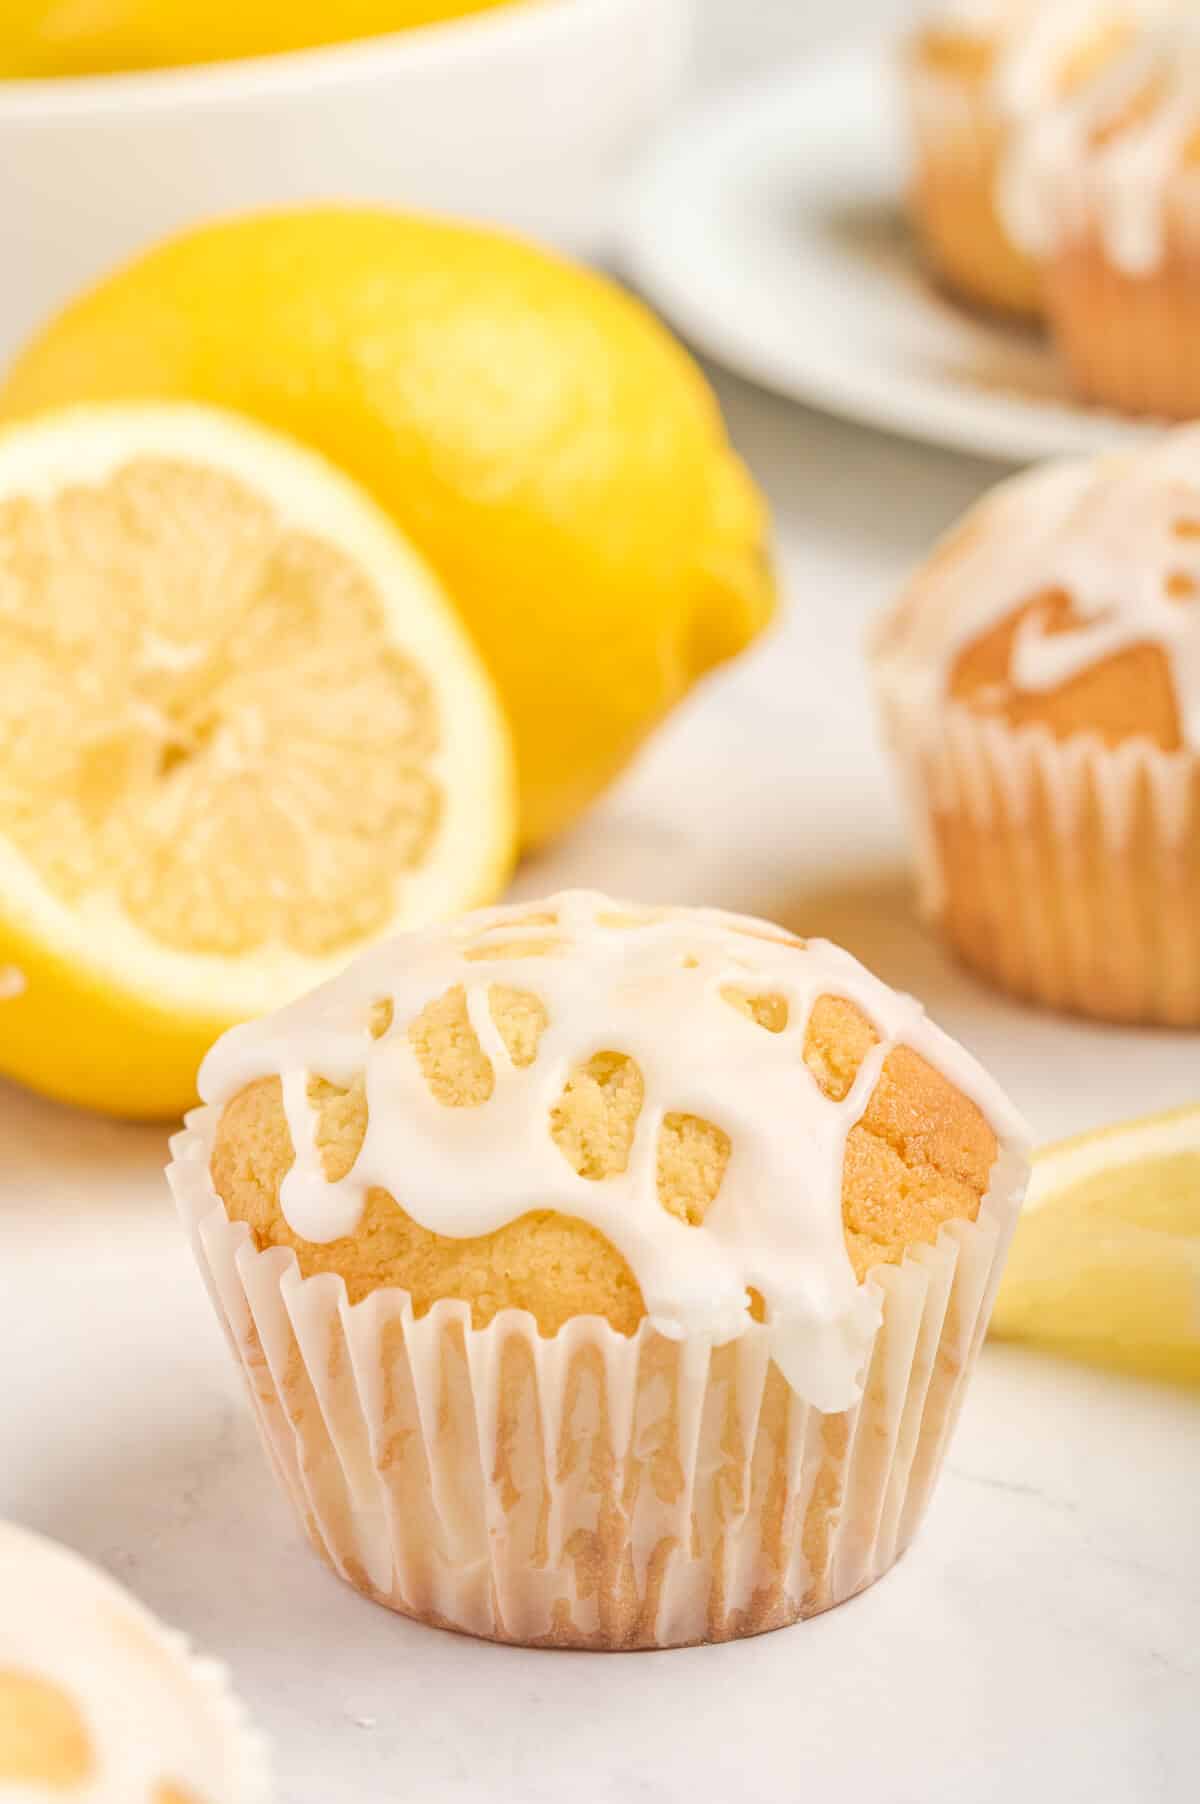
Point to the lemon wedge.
(1105, 1264)
(241, 733)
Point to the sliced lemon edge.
(1066, 1164)
(1115, 1292)
(477, 837)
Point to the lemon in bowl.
(532, 115)
(42, 39)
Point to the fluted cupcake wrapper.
(588, 1490)
(1066, 871)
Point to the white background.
(1039, 1641)
(741, 38)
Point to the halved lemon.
(241, 733)
(542, 439)
(1105, 1264)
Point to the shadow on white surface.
(54, 1147)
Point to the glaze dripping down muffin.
(593, 1110)
(506, 1220)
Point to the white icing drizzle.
(153, 1714)
(1120, 536)
(1037, 54)
(1034, 41)
(652, 992)
(1065, 173)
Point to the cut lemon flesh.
(1105, 1264)
(241, 733)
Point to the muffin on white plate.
(99, 1704)
(603, 1276)
(976, 72)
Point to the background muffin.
(1105, 190)
(603, 1276)
(99, 1702)
(1040, 682)
(975, 73)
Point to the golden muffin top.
(1068, 598)
(98, 1703)
(582, 1106)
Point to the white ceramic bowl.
(528, 116)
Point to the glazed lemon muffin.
(99, 1704)
(1104, 190)
(975, 73)
(1040, 683)
(603, 1276)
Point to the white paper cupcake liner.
(589, 1490)
(1066, 870)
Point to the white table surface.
(1040, 1640)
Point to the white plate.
(770, 227)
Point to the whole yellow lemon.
(552, 451)
(100, 37)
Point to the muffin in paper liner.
(1039, 685)
(997, 92)
(590, 1490)
(1066, 871)
(103, 1699)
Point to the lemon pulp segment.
(240, 732)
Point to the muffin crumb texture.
(911, 1150)
(205, 706)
